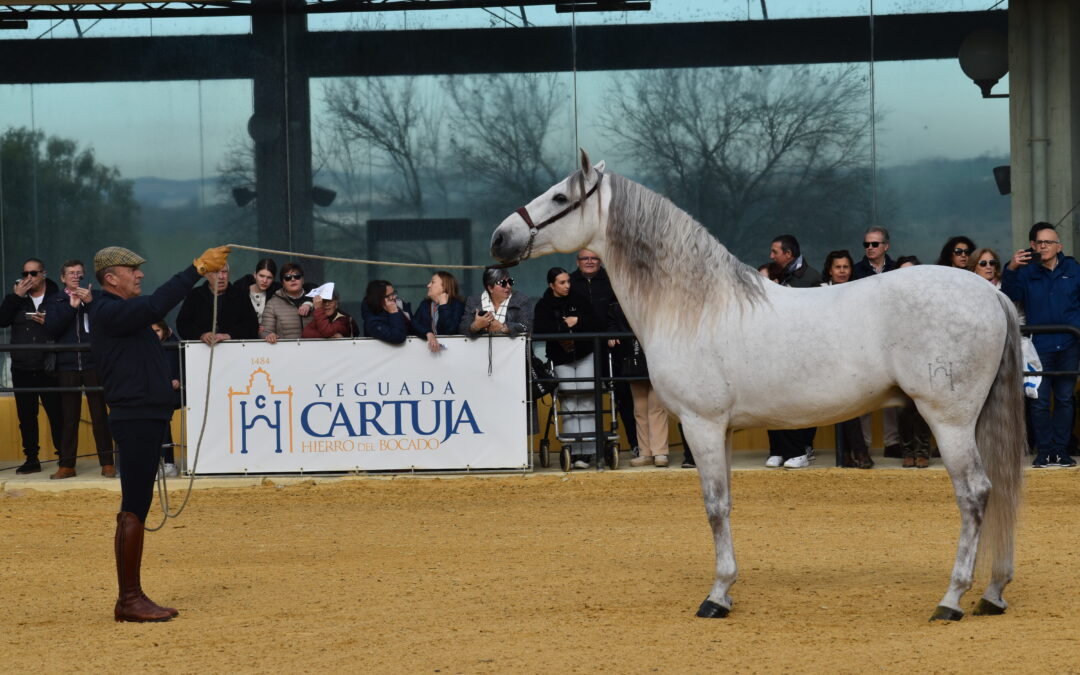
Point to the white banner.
(343, 405)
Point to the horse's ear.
(584, 161)
(600, 166)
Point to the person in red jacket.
(328, 321)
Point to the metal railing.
(599, 379)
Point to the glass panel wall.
(422, 166)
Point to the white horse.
(729, 350)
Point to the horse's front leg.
(712, 452)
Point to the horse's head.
(565, 218)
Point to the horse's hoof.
(987, 608)
(712, 610)
(943, 613)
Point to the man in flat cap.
(138, 389)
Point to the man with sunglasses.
(1050, 293)
(24, 311)
(876, 260)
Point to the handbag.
(538, 368)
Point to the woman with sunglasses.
(956, 252)
(987, 265)
(386, 317)
(498, 310)
(288, 310)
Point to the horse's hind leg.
(961, 458)
(714, 470)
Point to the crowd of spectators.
(272, 305)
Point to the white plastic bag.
(1031, 364)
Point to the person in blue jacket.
(1050, 292)
(138, 388)
(441, 311)
(385, 316)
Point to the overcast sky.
(180, 130)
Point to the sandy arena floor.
(839, 571)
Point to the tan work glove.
(212, 260)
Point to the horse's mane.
(672, 264)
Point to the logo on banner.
(260, 416)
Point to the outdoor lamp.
(243, 196)
(984, 57)
(322, 196)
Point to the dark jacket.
(1049, 297)
(863, 268)
(172, 356)
(804, 276)
(597, 289)
(628, 354)
(235, 315)
(383, 325)
(26, 331)
(519, 314)
(134, 370)
(548, 318)
(448, 322)
(67, 325)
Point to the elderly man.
(68, 322)
(236, 317)
(138, 389)
(24, 311)
(590, 281)
(1049, 290)
(792, 448)
(876, 260)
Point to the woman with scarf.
(498, 310)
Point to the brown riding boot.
(62, 473)
(132, 604)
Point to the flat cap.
(116, 256)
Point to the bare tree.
(404, 130)
(751, 152)
(502, 132)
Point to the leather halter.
(534, 228)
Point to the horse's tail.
(1001, 438)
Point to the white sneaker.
(774, 461)
(171, 471)
(581, 464)
(800, 462)
(810, 453)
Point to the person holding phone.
(1048, 283)
(23, 310)
(68, 322)
(498, 310)
(386, 317)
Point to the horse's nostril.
(496, 241)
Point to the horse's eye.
(560, 198)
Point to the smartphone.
(31, 314)
(1029, 251)
(482, 312)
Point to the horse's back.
(826, 354)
